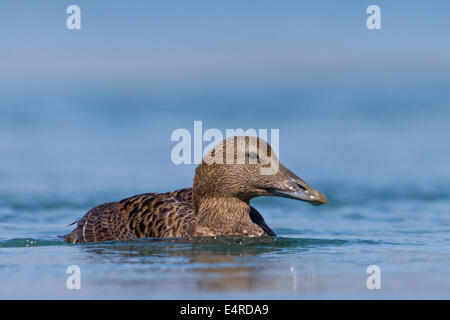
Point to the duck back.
(146, 215)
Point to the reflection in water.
(220, 264)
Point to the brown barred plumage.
(218, 204)
(146, 215)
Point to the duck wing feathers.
(146, 215)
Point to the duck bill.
(296, 188)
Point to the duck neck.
(223, 215)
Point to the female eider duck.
(218, 203)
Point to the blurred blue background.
(364, 116)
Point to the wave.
(28, 242)
(196, 242)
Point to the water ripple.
(197, 243)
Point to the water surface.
(382, 160)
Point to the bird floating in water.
(217, 204)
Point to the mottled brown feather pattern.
(159, 214)
(147, 215)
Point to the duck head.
(245, 168)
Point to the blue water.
(379, 152)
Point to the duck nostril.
(301, 187)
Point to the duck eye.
(253, 155)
